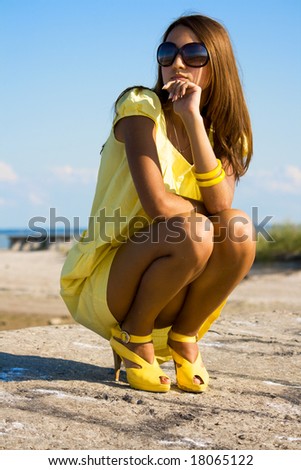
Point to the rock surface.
(58, 389)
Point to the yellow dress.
(116, 214)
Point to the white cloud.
(35, 198)
(68, 174)
(7, 173)
(294, 173)
(6, 202)
(284, 180)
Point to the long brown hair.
(225, 108)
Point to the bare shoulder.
(131, 126)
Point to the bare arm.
(138, 135)
(219, 197)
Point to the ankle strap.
(128, 338)
(181, 338)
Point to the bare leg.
(146, 276)
(231, 259)
(179, 284)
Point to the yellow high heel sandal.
(185, 370)
(147, 377)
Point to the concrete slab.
(58, 391)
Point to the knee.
(196, 235)
(236, 229)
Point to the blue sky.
(64, 62)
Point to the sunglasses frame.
(181, 51)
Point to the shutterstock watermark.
(109, 227)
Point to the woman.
(164, 249)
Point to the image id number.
(223, 460)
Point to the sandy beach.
(29, 289)
(58, 390)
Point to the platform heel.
(147, 376)
(185, 370)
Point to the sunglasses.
(194, 54)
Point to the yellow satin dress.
(116, 213)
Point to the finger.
(180, 89)
(168, 85)
(175, 90)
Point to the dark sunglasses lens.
(195, 54)
(166, 54)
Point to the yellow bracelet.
(209, 174)
(213, 181)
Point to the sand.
(29, 289)
(58, 389)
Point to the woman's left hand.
(185, 96)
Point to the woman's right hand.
(185, 96)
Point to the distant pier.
(32, 243)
